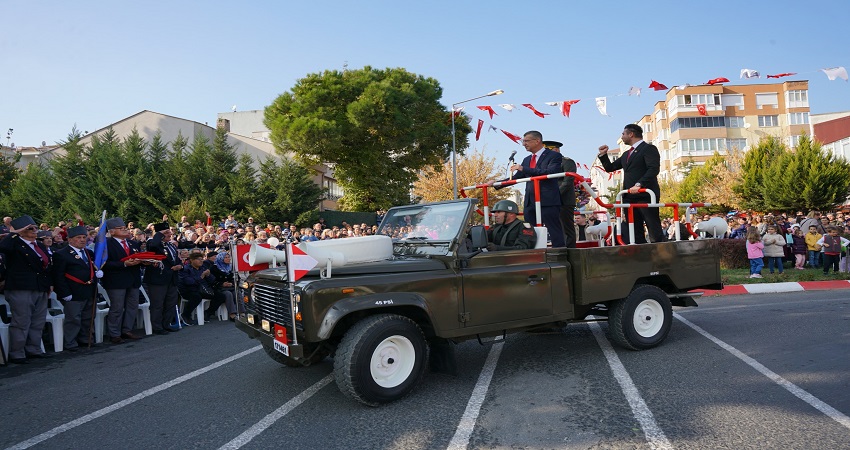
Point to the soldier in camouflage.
(509, 233)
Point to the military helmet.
(506, 206)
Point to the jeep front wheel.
(380, 359)
(641, 320)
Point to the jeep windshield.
(429, 223)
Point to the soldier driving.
(509, 233)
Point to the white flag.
(634, 90)
(553, 103)
(601, 103)
(683, 86)
(508, 106)
(836, 72)
(458, 109)
(492, 128)
(749, 73)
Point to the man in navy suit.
(161, 281)
(28, 278)
(541, 161)
(640, 165)
(121, 280)
(75, 282)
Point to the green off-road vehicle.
(384, 306)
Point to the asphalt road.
(760, 371)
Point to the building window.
(797, 99)
(768, 121)
(798, 118)
(647, 127)
(734, 122)
(698, 122)
(728, 100)
(767, 99)
(661, 114)
(701, 146)
(736, 144)
(793, 141)
(693, 100)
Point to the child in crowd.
(798, 246)
(774, 248)
(755, 252)
(832, 244)
(812, 238)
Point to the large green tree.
(806, 178)
(285, 191)
(378, 127)
(751, 190)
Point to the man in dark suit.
(161, 280)
(75, 282)
(640, 165)
(566, 186)
(541, 162)
(121, 280)
(28, 280)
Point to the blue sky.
(92, 63)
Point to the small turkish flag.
(657, 86)
(701, 109)
(242, 264)
(714, 81)
(489, 109)
(280, 334)
(298, 263)
(565, 107)
(512, 136)
(780, 75)
(478, 130)
(536, 112)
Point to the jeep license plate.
(281, 347)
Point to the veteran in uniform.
(75, 282)
(509, 233)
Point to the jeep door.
(506, 286)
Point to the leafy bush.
(733, 254)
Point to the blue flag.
(100, 244)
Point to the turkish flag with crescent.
(701, 109)
(242, 259)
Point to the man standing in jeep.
(509, 233)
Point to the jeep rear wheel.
(380, 359)
(642, 320)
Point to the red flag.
(780, 75)
(701, 109)
(242, 264)
(457, 112)
(511, 136)
(478, 130)
(714, 81)
(565, 107)
(489, 109)
(657, 86)
(536, 112)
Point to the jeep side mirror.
(478, 235)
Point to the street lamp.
(454, 139)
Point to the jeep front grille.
(272, 304)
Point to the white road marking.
(140, 396)
(654, 435)
(276, 415)
(467, 422)
(789, 386)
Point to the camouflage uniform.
(516, 235)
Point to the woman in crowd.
(223, 272)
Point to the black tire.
(311, 356)
(401, 352)
(641, 320)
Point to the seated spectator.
(196, 283)
(223, 272)
(308, 236)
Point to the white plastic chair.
(101, 311)
(199, 310)
(222, 313)
(144, 319)
(57, 322)
(4, 328)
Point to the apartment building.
(694, 122)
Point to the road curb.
(771, 288)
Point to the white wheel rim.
(648, 318)
(392, 361)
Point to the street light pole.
(454, 138)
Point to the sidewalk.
(766, 288)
